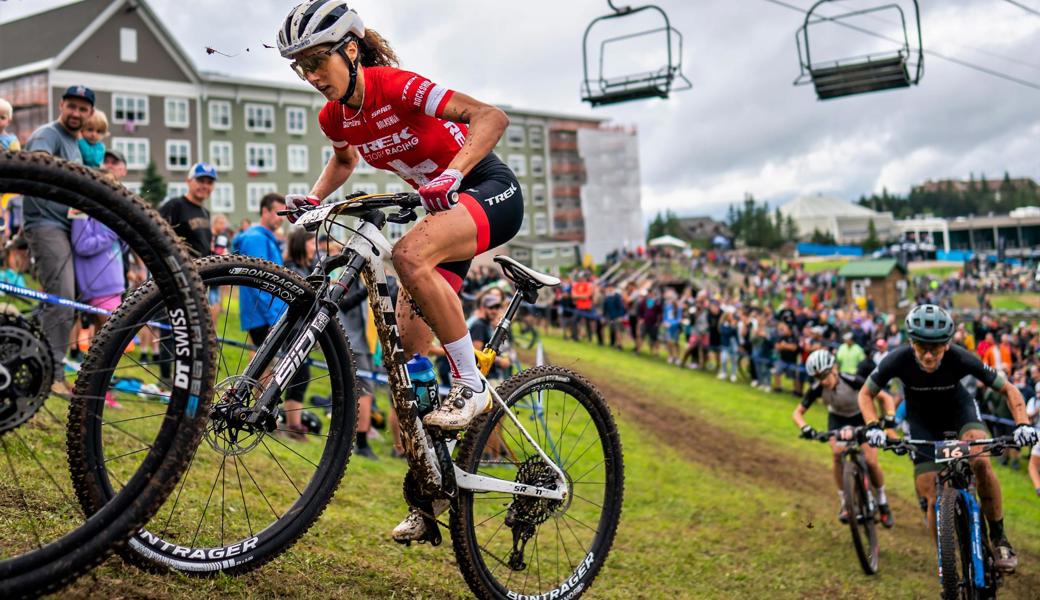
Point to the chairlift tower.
(900, 68)
(602, 90)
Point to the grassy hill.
(722, 501)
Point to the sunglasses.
(933, 349)
(313, 62)
(493, 307)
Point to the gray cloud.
(743, 127)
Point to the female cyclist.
(440, 142)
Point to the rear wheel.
(45, 541)
(250, 492)
(522, 547)
(861, 516)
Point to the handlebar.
(361, 202)
(991, 444)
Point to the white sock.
(841, 496)
(881, 497)
(463, 362)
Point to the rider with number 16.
(439, 141)
(930, 370)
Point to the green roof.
(869, 268)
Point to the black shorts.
(837, 421)
(493, 198)
(930, 422)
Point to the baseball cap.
(116, 154)
(491, 300)
(79, 91)
(203, 169)
(847, 335)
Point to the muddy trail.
(730, 455)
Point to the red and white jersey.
(399, 127)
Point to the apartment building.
(262, 136)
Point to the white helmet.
(317, 22)
(820, 361)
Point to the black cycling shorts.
(959, 414)
(837, 421)
(493, 198)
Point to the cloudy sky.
(743, 127)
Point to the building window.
(260, 158)
(546, 253)
(220, 155)
(259, 117)
(133, 186)
(538, 194)
(300, 188)
(176, 190)
(219, 114)
(515, 136)
(177, 112)
(127, 44)
(518, 163)
(537, 166)
(223, 198)
(536, 135)
(127, 108)
(255, 192)
(297, 158)
(326, 155)
(296, 120)
(135, 150)
(525, 226)
(178, 155)
(367, 188)
(394, 188)
(541, 224)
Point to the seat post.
(507, 319)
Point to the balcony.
(563, 145)
(567, 191)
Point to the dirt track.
(715, 447)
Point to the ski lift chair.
(604, 90)
(862, 74)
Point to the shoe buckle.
(459, 403)
(466, 393)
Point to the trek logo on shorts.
(506, 195)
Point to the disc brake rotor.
(26, 370)
(225, 433)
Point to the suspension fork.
(304, 339)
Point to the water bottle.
(424, 381)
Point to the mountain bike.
(45, 542)
(533, 516)
(859, 496)
(966, 560)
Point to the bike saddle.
(524, 276)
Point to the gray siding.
(100, 53)
(20, 41)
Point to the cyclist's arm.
(1016, 404)
(336, 172)
(486, 123)
(798, 416)
(866, 401)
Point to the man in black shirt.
(186, 214)
(936, 402)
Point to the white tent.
(847, 222)
(668, 240)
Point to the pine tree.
(153, 186)
(872, 242)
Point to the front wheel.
(861, 516)
(954, 531)
(521, 547)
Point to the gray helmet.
(820, 361)
(317, 22)
(929, 324)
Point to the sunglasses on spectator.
(493, 307)
(313, 62)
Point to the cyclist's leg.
(924, 482)
(877, 477)
(986, 480)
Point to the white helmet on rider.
(318, 22)
(819, 363)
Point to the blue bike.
(966, 560)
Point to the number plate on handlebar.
(316, 215)
(949, 450)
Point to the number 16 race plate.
(949, 450)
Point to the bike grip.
(454, 197)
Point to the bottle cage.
(602, 90)
(898, 68)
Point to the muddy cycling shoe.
(414, 529)
(458, 410)
(843, 514)
(1006, 561)
(886, 516)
